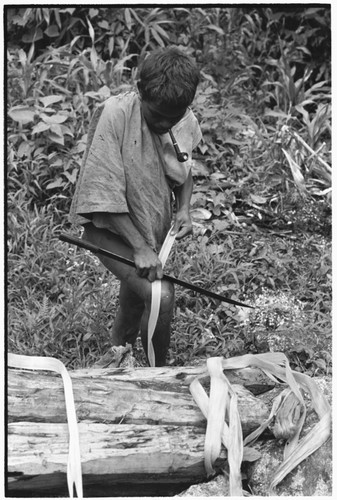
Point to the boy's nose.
(165, 124)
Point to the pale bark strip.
(216, 413)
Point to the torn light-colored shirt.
(128, 169)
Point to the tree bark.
(136, 425)
(117, 453)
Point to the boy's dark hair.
(168, 77)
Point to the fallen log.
(117, 453)
(142, 395)
(136, 426)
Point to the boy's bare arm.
(183, 223)
(147, 262)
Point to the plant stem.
(299, 138)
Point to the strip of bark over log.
(136, 425)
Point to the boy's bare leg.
(135, 297)
(127, 322)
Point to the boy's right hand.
(148, 264)
(146, 260)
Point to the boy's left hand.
(182, 225)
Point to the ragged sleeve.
(101, 185)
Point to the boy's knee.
(167, 294)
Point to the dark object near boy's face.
(161, 118)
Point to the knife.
(101, 251)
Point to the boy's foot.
(115, 357)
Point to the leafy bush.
(55, 293)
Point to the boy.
(124, 191)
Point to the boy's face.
(160, 118)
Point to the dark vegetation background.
(262, 197)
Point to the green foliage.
(51, 100)
(32, 25)
(117, 32)
(253, 267)
(261, 203)
(55, 293)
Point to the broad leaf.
(33, 36)
(73, 176)
(50, 99)
(260, 200)
(53, 119)
(56, 138)
(55, 184)
(22, 114)
(52, 31)
(201, 214)
(40, 127)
